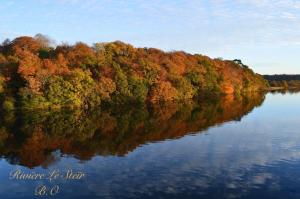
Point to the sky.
(264, 34)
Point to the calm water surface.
(230, 148)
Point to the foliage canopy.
(34, 73)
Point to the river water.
(225, 148)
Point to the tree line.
(284, 81)
(37, 74)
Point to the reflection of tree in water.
(30, 138)
(286, 91)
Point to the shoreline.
(282, 88)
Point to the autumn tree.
(35, 73)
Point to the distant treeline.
(286, 81)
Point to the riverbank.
(282, 88)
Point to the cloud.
(213, 27)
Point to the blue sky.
(265, 34)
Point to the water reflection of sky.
(258, 157)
